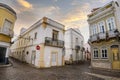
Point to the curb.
(110, 70)
(5, 65)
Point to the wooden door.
(116, 59)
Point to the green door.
(2, 54)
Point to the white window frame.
(91, 29)
(103, 53)
(94, 29)
(95, 51)
(100, 24)
(111, 20)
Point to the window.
(117, 4)
(7, 26)
(77, 41)
(27, 52)
(101, 27)
(95, 53)
(35, 36)
(55, 35)
(29, 38)
(110, 23)
(104, 53)
(94, 29)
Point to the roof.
(75, 30)
(7, 7)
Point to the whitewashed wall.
(42, 32)
(70, 43)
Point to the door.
(2, 54)
(33, 57)
(53, 59)
(116, 59)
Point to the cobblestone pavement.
(23, 71)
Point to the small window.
(27, 52)
(117, 4)
(35, 36)
(29, 38)
(95, 53)
(55, 35)
(104, 53)
(77, 41)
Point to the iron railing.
(55, 43)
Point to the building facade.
(41, 45)
(73, 45)
(104, 27)
(7, 20)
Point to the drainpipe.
(72, 44)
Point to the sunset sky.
(71, 13)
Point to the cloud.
(55, 0)
(77, 16)
(25, 4)
(46, 11)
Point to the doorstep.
(5, 65)
(110, 70)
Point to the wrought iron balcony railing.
(102, 35)
(94, 38)
(77, 47)
(111, 34)
(55, 43)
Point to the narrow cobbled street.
(23, 71)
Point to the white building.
(41, 44)
(73, 45)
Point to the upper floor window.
(7, 26)
(35, 37)
(94, 29)
(117, 4)
(55, 35)
(104, 53)
(110, 23)
(101, 27)
(29, 38)
(95, 53)
(76, 41)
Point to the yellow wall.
(6, 14)
(4, 38)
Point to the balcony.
(102, 36)
(93, 38)
(7, 33)
(77, 47)
(111, 34)
(55, 43)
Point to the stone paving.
(23, 71)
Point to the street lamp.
(117, 33)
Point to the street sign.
(38, 47)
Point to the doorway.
(33, 57)
(54, 59)
(116, 58)
(2, 54)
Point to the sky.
(71, 13)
